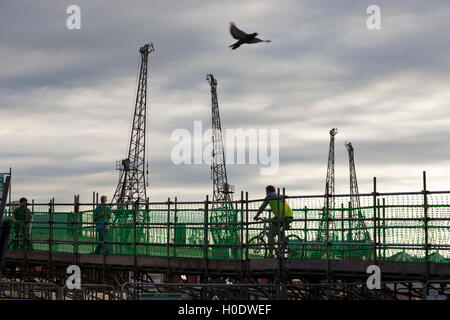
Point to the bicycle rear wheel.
(293, 250)
(257, 247)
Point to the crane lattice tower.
(132, 179)
(357, 229)
(330, 180)
(222, 211)
(329, 188)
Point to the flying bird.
(243, 37)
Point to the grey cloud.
(66, 96)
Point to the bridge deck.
(257, 267)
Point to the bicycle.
(258, 245)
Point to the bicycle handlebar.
(263, 219)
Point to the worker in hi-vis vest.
(274, 199)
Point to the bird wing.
(256, 40)
(236, 32)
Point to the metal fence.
(388, 290)
(403, 227)
(91, 292)
(297, 290)
(29, 290)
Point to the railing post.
(10, 186)
(343, 247)
(246, 237)
(176, 226)
(50, 239)
(25, 235)
(105, 231)
(242, 227)
(351, 217)
(283, 246)
(168, 236)
(425, 217)
(147, 220)
(135, 212)
(31, 230)
(375, 219)
(242, 238)
(378, 225)
(278, 220)
(384, 228)
(305, 230)
(94, 225)
(278, 249)
(206, 222)
(283, 224)
(76, 210)
(327, 196)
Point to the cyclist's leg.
(287, 223)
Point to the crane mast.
(330, 180)
(357, 229)
(329, 189)
(222, 191)
(354, 193)
(222, 211)
(132, 180)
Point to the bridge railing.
(29, 290)
(388, 290)
(404, 227)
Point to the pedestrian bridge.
(406, 234)
(400, 227)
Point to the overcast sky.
(66, 96)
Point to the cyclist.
(273, 199)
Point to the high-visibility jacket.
(287, 210)
(273, 199)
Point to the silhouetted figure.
(21, 218)
(243, 37)
(276, 206)
(102, 215)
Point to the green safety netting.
(348, 235)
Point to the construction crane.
(354, 193)
(330, 181)
(329, 191)
(222, 211)
(131, 188)
(357, 228)
(222, 191)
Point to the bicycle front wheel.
(294, 250)
(257, 247)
